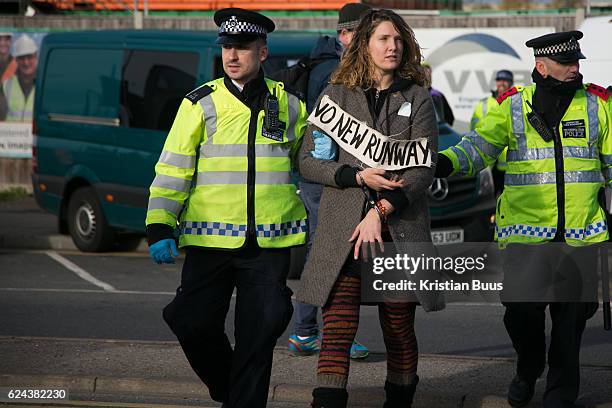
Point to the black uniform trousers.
(238, 377)
(541, 272)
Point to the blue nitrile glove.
(163, 251)
(325, 148)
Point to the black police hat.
(504, 75)
(241, 26)
(350, 14)
(562, 47)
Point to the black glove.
(444, 166)
(158, 232)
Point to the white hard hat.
(24, 45)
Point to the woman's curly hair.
(356, 68)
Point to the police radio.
(539, 124)
(272, 127)
(271, 121)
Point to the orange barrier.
(184, 5)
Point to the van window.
(153, 84)
(82, 82)
(271, 65)
(276, 63)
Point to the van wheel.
(87, 223)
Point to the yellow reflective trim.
(273, 164)
(166, 170)
(172, 194)
(223, 164)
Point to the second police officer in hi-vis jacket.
(558, 132)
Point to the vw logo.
(438, 189)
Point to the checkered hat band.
(235, 26)
(349, 25)
(571, 45)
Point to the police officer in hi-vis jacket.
(558, 132)
(223, 179)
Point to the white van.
(597, 68)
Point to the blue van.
(104, 103)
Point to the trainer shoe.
(303, 347)
(359, 351)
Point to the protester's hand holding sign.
(377, 180)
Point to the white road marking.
(80, 272)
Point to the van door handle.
(85, 120)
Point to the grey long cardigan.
(341, 208)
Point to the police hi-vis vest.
(231, 179)
(480, 111)
(20, 108)
(527, 209)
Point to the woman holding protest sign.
(380, 118)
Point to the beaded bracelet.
(380, 214)
(381, 210)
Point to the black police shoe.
(520, 391)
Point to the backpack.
(296, 77)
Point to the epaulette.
(508, 93)
(600, 91)
(199, 93)
(291, 91)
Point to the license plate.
(450, 236)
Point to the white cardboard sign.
(366, 144)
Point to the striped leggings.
(340, 322)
